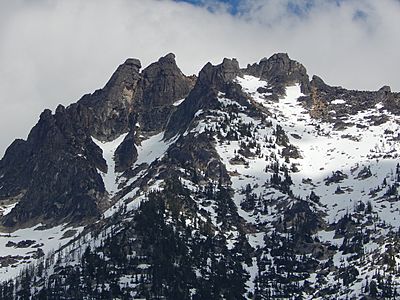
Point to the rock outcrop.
(280, 71)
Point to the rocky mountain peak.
(133, 62)
(162, 84)
(148, 95)
(45, 115)
(318, 82)
(280, 71)
(123, 81)
(385, 89)
(279, 60)
(217, 76)
(170, 57)
(107, 110)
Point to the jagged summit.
(220, 74)
(385, 89)
(240, 183)
(130, 100)
(170, 57)
(137, 103)
(133, 62)
(279, 70)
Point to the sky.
(54, 51)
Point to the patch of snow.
(253, 271)
(109, 148)
(328, 236)
(152, 149)
(143, 266)
(256, 240)
(48, 240)
(250, 84)
(8, 208)
(338, 101)
(178, 102)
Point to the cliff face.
(54, 172)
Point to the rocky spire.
(108, 109)
(280, 71)
(162, 84)
(217, 76)
(123, 80)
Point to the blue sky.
(299, 8)
(232, 5)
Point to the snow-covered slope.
(348, 173)
(110, 178)
(366, 154)
(20, 248)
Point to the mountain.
(238, 183)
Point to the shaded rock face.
(280, 71)
(126, 153)
(107, 110)
(211, 80)
(15, 172)
(162, 83)
(198, 156)
(57, 174)
(55, 171)
(146, 97)
(218, 76)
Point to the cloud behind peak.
(54, 51)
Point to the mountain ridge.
(254, 182)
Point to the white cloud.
(53, 51)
